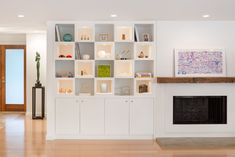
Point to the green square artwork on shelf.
(104, 70)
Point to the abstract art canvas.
(199, 63)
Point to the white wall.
(35, 43)
(12, 39)
(193, 35)
(189, 35)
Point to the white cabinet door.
(117, 116)
(141, 116)
(92, 116)
(67, 116)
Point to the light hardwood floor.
(22, 137)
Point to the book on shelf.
(57, 32)
(78, 52)
(136, 34)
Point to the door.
(117, 116)
(92, 116)
(13, 77)
(141, 116)
(67, 117)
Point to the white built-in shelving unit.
(100, 80)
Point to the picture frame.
(200, 63)
(104, 70)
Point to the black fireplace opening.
(200, 110)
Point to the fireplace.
(200, 110)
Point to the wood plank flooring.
(22, 137)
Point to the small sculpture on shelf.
(70, 74)
(37, 60)
(141, 55)
(68, 56)
(123, 36)
(85, 37)
(61, 56)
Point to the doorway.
(13, 78)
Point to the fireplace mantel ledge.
(195, 79)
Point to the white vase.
(103, 87)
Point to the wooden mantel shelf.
(195, 79)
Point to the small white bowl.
(86, 57)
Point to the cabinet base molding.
(104, 137)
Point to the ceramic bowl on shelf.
(86, 57)
(67, 37)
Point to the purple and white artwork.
(200, 63)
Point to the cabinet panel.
(141, 116)
(67, 119)
(117, 116)
(92, 116)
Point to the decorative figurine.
(70, 74)
(123, 36)
(61, 56)
(69, 56)
(141, 55)
(37, 60)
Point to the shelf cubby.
(65, 51)
(124, 69)
(104, 51)
(65, 86)
(64, 29)
(144, 67)
(143, 86)
(84, 86)
(84, 68)
(124, 33)
(104, 32)
(124, 50)
(84, 48)
(124, 86)
(104, 62)
(64, 68)
(85, 32)
(144, 32)
(144, 51)
(104, 86)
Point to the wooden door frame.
(10, 107)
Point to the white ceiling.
(38, 12)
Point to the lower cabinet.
(92, 116)
(141, 116)
(117, 116)
(66, 117)
(100, 117)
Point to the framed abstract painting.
(200, 63)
